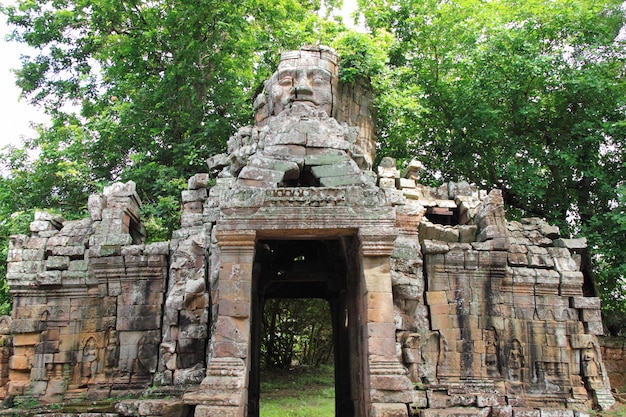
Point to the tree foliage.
(296, 332)
(525, 97)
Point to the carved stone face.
(308, 85)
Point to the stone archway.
(371, 379)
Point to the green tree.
(296, 331)
(525, 97)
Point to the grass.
(619, 410)
(298, 392)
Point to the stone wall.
(497, 306)
(614, 357)
(87, 302)
(488, 314)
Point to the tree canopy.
(528, 97)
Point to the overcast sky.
(16, 115)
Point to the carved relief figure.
(432, 353)
(303, 77)
(590, 363)
(111, 351)
(90, 361)
(515, 361)
(306, 85)
(540, 373)
(491, 353)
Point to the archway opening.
(296, 357)
(304, 288)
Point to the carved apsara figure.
(515, 361)
(491, 353)
(90, 360)
(111, 351)
(590, 363)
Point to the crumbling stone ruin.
(440, 306)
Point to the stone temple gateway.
(439, 305)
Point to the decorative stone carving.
(515, 361)
(590, 367)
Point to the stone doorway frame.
(384, 387)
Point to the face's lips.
(304, 101)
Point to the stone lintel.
(65, 291)
(323, 219)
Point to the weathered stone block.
(585, 302)
(235, 308)
(387, 183)
(435, 247)
(436, 297)
(454, 260)
(546, 412)
(527, 412)
(189, 196)
(198, 181)
(20, 363)
(405, 183)
(228, 349)
(346, 168)
(41, 226)
(594, 327)
(26, 267)
(325, 159)
(502, 411)
(354, 179)
(78, 265)
(139, 317)
(193, 331)
(72, 278)
(193, 207)
(590, 315)
(217, 411)
(388, 410)
(57, 263)
(27, 255)
(49, 278)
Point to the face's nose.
(303, 88)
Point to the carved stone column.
(224, 391)
(390, 389)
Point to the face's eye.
(286, 82)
